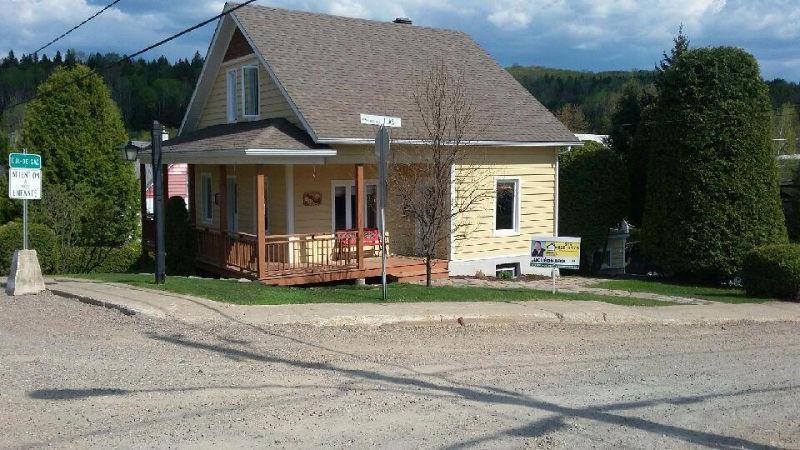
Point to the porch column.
(143, 206)
(223, 216)
(192, 206)
(261, 227)
(360, 215)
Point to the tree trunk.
(428, 276)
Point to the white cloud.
(591, 34)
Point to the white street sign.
(25, 184)
(368, 119)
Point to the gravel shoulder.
(76, 375)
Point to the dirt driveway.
(81, 376)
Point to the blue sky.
(574, 34)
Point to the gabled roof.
(332, 69)
(267, 134)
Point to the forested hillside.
(594, 95)
(143, 90)
(159, 89)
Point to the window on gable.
(231, 95)
(506, 213)
(250, 91)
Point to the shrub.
(593, 198)
(101, 259)
(179, 238)
(712, 184)
(773, 271)
(41, 238)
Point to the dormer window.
(250, 92)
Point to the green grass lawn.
(231, 291)
(714, 294)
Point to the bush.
(179, 238)
(41, 238)
(773, 271)
(593, 198)
(712, 184)
(101, 259)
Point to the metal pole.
(383, 149)
(553, 273)
(25, 217)
(158, 201)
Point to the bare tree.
(435, 184)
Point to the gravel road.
(75, 375)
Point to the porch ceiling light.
(129, 151)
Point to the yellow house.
(282, 172)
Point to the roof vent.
(403, 20)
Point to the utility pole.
(158, 200)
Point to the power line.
(77, 26)
(133, 55)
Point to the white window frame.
(230, 95)
(517, 206)
(350, 187)
(207, 197)
(232, 207)
(258, 93)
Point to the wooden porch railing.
(283, 254)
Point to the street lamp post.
(130, 153)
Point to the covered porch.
(291, 216)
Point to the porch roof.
(261, 138)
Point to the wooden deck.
(301, 259)
(398, 268)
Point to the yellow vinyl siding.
(307, 178)
(535, 170)
(272, 103)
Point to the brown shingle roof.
(334, 68)
(273, 134)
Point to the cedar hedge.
(593, 197)
(773, 271)
(712, 185)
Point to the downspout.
(555, 196)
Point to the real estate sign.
(556, 251)
(24, 176)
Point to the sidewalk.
(165, 305)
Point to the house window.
(231, 94)
(233, 205)
(207, 197)
(506, 206)
(250, 91)
(344, 205)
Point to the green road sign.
(24, 161)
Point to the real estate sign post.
(556, 252)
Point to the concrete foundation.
(488, 266)
(26, 274)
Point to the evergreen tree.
(76, 127)
(627, 139)
(712, 186)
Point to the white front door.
(344, 205)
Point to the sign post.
(556, 253)
(25, 183)
(382, 143)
